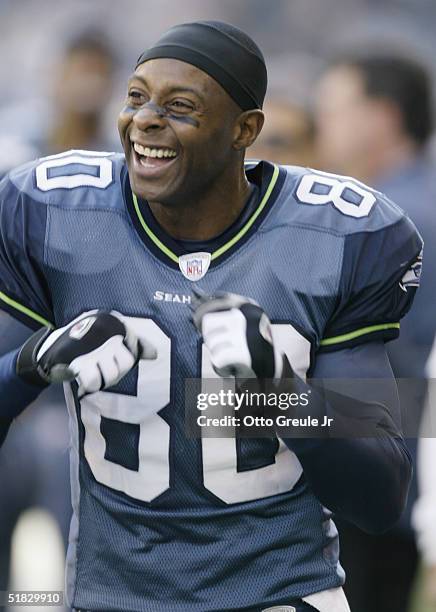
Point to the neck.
(74, 131)
(208, 214)
(384, 160)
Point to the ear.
(247, 128)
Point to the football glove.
(238, 335)
(97, 349)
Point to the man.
(70, 114)
(287, 136)
(374, 118)
(112, 246)
(83, 78)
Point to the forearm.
(15, 394)
(364, 480)
(359, 467)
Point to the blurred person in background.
(82, 88)
(72, 113)
(34, 466)
(287, 134)
(373, 117)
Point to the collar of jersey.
(270, 179)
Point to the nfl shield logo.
(194, 268)
(194, 265)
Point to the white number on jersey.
(333, 190)
(49, 172)
(220, 473)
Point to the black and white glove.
(238, 335)
(97, 349)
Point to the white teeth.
(147, 152)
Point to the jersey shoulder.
(337, 204)
(360, 244)
(73, 179)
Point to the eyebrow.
(175, 89)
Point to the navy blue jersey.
(161, 521)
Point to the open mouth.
(153, 158)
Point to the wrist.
(16, 393)
(27, 367)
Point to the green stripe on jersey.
(251, 220)
(224, 247)
(151, 234)
(359, 332)
(33, 315)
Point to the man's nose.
(149, 117)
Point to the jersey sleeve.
(380, 275)
(23, 287)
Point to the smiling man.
(164, 522)
(171, 167)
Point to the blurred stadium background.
(63, 73)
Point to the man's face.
(286, 137)
(177, 130)
(348, 121)
(85, 79)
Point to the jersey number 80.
(219, 455)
